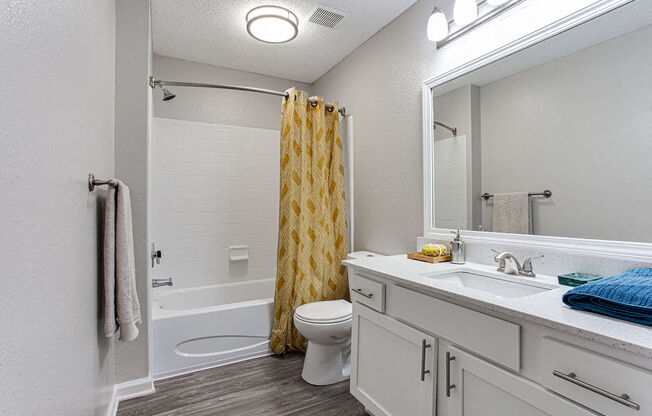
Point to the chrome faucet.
(509, 264)
(505, 258)
(161, 282)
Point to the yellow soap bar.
(434, 250)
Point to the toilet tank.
(361, 255)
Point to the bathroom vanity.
(467, 340)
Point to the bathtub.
(207, 326)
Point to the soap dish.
(576, 279)
(428, 259)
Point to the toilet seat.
(325, 312)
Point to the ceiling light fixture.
(437, 25)
(465, 11)
(272, 24)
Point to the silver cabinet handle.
(424, 346)
(449, 386)
(622, 399)
(361, 292)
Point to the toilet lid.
(325, 311)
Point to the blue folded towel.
(625, 296)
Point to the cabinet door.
(478, 388)
(392, 366)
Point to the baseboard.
(112, 410)
(135, 388)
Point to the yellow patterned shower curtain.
(312, 236)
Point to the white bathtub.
(207, 326)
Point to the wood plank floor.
(268, 386)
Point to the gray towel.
(121, 307)
(512, 213)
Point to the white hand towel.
(512, 213)
(121, 306)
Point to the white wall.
(460, 109)
(586, 119)
(133, 54)
(57, 120)
(214, 186)
(380, 84)
(236, 108)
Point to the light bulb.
(437, 25)
(465, 11)
(496, 2)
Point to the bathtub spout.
(161, 282)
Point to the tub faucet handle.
(156, 255)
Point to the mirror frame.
(619, 250)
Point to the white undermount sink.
(495, 284)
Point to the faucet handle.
(527, 265)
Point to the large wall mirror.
(567, 120)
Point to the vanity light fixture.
(465, 11)
(437, 25)
(467, 16)
(272, 24)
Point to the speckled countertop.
(544, 308)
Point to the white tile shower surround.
(214, 186)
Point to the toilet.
(327, 327)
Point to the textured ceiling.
(214, 32)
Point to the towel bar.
(546, 194)
(92, 182)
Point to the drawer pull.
(622, 399)
(449, 386)
(424, 346)
(361, 292)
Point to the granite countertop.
(544, 308)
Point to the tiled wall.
(214, 186)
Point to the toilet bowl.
(327, 327)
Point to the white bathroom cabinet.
(408, 347)
(392, 365)
(483, 389)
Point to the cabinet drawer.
(596, 381)
(367, 291)
(491, 337)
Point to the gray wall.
(580, 126)
(380, 85)
(132, 94)
(236, 108)
(57, 120)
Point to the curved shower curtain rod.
(168, 96)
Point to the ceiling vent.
(325, 16)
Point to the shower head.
(167, 95)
